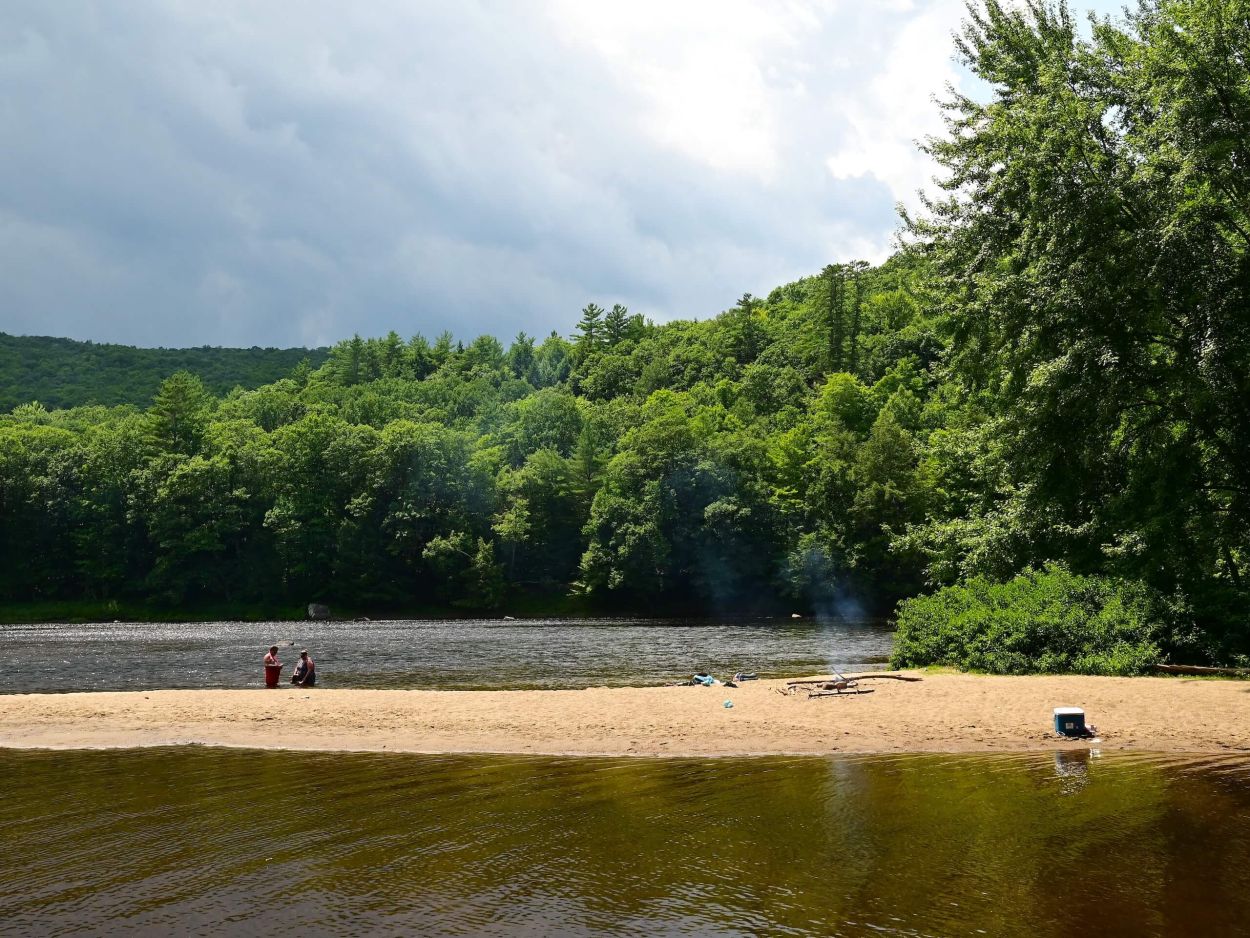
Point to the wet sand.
(942, 713)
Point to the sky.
(256, 172)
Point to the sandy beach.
(941, 713)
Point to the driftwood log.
(839, 693)
(855, 677)
(1199, 669)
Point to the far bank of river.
(940, 713)
(87, 611)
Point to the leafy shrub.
(1040, 622)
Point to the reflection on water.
(228, 842)
(430, 654)
(1072, 765)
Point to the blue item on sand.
(1070, 721)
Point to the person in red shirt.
(273, 667)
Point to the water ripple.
(233, 842)
(460, 654)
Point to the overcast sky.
(182, 172)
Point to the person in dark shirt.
(305, 672)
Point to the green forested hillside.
(64, 373)
(1053, 374)
(762, 457)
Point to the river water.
(222, 842)
(464, 653)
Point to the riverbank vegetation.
(1045, 622)
(1054, 367)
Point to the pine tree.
(176, 419)
(856, 269)
(441, 353)
(351, 361)
(521, 357)
(590, 327)
(419, 358)
(616, 324)
(392, 355)
(835, 314)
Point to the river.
(447, 654)
(222, 842)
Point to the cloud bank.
(180, 173)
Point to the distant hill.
(65, 373)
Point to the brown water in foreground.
(243, 842)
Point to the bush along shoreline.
(1048, 621)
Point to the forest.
(1041, 400)
(61, 373)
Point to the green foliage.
(467, 570)
(658, 465)
(1093, 254)
(63, 373)
(1040, 622)
(178, 415)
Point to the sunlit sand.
(941, 713)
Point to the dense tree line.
(710, 463)
(1055, 368)
(63, 373)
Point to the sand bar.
(942, 713)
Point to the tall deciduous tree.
(1094, 248)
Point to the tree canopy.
(713, 464)
(63, 373)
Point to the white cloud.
(707, 71)
(245, 172)
(895, 109)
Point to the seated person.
(305, 672)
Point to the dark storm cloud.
(290, 173)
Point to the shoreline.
(943, 713)
(519, 608)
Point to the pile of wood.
(839, 686)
